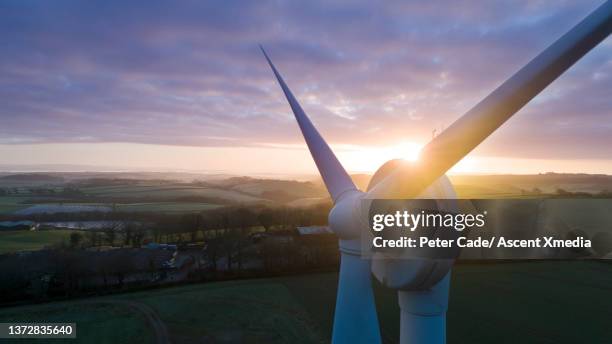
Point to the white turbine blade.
(476, 125)
(334, 176)
(482, 120)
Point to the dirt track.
(160, 330)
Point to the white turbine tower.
(423, 284)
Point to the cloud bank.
(190, 73)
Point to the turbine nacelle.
(348, 219)
(418, 273)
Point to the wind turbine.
(423, 284)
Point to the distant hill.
(277, 190)
(33, 177)
(544, 182)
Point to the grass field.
(180, 190)
(537, 302)
(166, 207)
(13, 241)
(145, 197)
(11, 204)
(110, 322)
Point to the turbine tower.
(423, 284)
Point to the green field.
(166, 207)
(11, 204)
(13, 241)
(537, 302)
(112, 322)
(177, 190)
(142, 197)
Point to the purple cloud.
(191, 73)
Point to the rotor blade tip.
(264, 52)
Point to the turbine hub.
(421, 273)
(347, 220)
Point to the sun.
(406, 150)
(368, 159)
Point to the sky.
(162, 85)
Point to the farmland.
(115, 322)
(486, 300)
(135, 195)
(10, 204)
(12, 241)
(165, 207)
(39, 193)
(147, 190)
(27, 196)
(126, 198)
